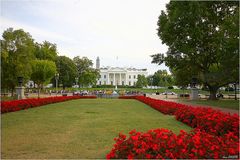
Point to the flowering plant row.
(215, 135)
(164, 144)
(16, 105)
(206, 119)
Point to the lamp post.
(56, 78)
(194, 82)
(20, 81)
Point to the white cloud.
(38, 33)
(92, 28)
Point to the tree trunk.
(213, 92)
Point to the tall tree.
(162, 78)
(141, 81)
(46, 51)
(17, 52)
(203, 38)
(43, 72)
(89, 77)
(67, 71)
(86, 73)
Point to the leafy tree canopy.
(161, 78)
(43, 71)
(67, 71)
(46, 51)
(86, 74)
(203, 41)
(17, 51)
(142, 81)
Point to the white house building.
(118, 76)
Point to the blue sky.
(106, 28)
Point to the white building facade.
(119, 76)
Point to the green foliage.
(142, 81)
(43, 71)
(46, 51)
(203, 40)
(87, 75)
(67, 71)
(17, 51)
(162, 78)
(82, 64)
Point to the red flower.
(16, 105)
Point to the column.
(114, 79)
(120, 79)
(107, 78)
(126, 79)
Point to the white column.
(107, 78)
(120, 79)
(126, 79)
(114, 79)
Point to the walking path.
(174, 98)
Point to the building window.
(100, 83)
(134, 83)
(129, 76)
(129, 83)
(134, 76)
(105, 76)
(123, 83)
(111, 82)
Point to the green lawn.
(77, 129)
(229, 104)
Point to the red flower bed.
(165, 107)
(164, 144)
(209, 120)
(216, 135)
(16, 105)
(205, 119)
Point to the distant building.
(118, 76)
(98, 63)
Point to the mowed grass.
(77, 129)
